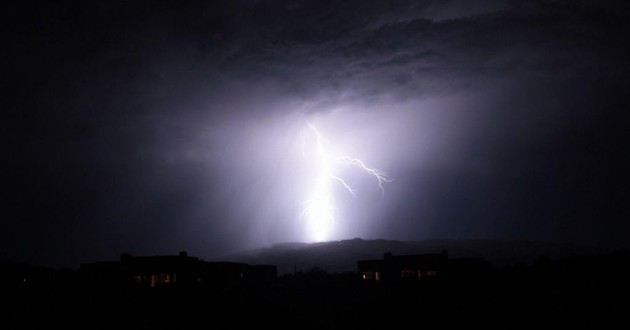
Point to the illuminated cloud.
(166, 127)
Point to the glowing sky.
(156, 127)
(319, 207)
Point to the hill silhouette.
(341, 256)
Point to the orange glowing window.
(407, 273)
(165, 278)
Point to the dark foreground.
(579, 292)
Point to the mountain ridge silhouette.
(341, 256)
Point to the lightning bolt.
(319, 209)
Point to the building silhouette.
(173, 272)
(420, 267)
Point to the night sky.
(152, 127)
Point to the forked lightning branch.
(319, 208)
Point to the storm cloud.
(154, 127)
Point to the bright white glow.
(319, 208)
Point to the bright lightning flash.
(319, 209)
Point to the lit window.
(368, 275)
(377, 276)
(165, 278)
(431, 273)
(407, 273)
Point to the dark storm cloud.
(153, 126)
(421, 56)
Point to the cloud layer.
(153, 127)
